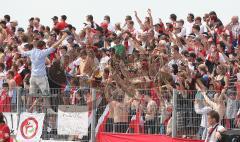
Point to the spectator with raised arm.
(38, 73)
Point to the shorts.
(39, 83)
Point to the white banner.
(72, 120)
(11, 120)
(30, 127)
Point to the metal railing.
(191, 108)
(174, 113)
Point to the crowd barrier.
(104, 137)
(87, 114)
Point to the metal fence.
(191, 108)
(174, 113)
(21, 102)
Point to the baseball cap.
(20, 30)
(54, 18)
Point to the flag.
(102, 122)
(90, 115)
(136, 123)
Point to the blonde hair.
(203, 68)
(222, 69)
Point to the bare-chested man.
(120, 115)
(150, 114)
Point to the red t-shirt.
(4, 133)
(61, 25)
(18, 79)
(5, 102)
(9, 62)
(203, 53)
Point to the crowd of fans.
(134, 70)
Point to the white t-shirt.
(151, 105)
(205, 29)
(202, 29)
(213, 135)
(111, 27)
(236, 31)
(2, 78)
(103, 62)
(190, 66)
(183, 32)
(73, 66)
(221, 58)
(203, 111)
(231, 110)
(189, 28)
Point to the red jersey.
(61, 25)
(4, 133)
(18, 79)
(5, 102)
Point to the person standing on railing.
(4, 130)
(215, 129)
(38, 77)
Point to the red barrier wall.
(108, 137)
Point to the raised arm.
(24, 53)
(56, 44)
(200, 110)
(229, 45)
(229, 26)
(139, 21)
(150, 17)
(107, 91)
(122, 68)
(208, 101)
(76, 36)
(134, 41)
(125, 85)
